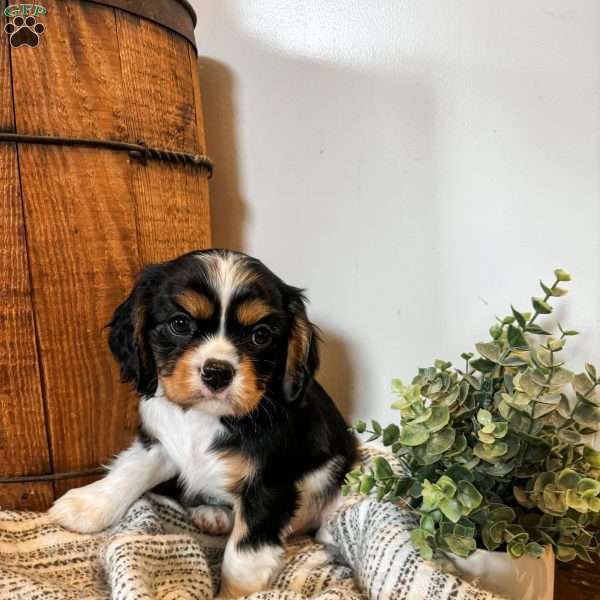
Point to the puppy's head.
(216, 329)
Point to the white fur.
(247, 570)
(216, 347)
(187, 436)
(227, 274)
(96, 506)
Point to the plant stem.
(536, 313)
(542, 391)
(570, 421)
(406, 465)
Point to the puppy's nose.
(217, 374)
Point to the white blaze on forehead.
(227, 272)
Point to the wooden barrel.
(77, 221)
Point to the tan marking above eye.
(252, 311)
(196, 304)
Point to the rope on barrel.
(139, 151)
(53, 476)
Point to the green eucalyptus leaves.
(498, 454)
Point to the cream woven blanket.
(156, 553)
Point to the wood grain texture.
(83, 256)
(172, 211)
(23, 440)
(7, 122)
(198, 112)
(172, 203)
(158, 88)
(93, 217)
(26, 496)
(167, 13)
(70, 85)
(577, 580)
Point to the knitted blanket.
(156, 553)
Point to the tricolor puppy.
(223, 356)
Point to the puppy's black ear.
(128, 341)
(302, 353)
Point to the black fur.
(287, 443)
(128, 339)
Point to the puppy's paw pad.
(214, 520)
(84, 511)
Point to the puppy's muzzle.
(217, 374)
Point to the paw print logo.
(24, 31)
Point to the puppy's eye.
(261, 335)
(180, 325)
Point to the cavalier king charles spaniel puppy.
(223, 357)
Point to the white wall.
(416, 164)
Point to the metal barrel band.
(53, 476)
(139, 152)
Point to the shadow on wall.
(336, 374)
(229, 211)
(228, 208)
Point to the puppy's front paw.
(86, 510)
(214, 520)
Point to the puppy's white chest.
(187, 437)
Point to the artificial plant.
(496, 455)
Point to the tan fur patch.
(252, 389)
(312, 488)
(239, 469)
(198, 305)
(240, 527)
(297, 348)
(182, 385)
(252, 311)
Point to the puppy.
(223, 356)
